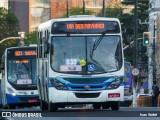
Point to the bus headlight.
(11, 92)
(57, 84)
(115, 84)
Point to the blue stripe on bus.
(92, 86)
(20, 99)
(12, 99)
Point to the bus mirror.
(52, 49)
(2, 68)
(46, 47)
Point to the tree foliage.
(31, 38)
(77, 11)
(9, 27)
(127, 20)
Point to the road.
(125, 113)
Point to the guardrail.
(145, 101)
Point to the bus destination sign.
(25, 53)
(85, 27)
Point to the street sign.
(135, 72)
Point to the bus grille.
(25, 99)
(87, 95)
(90, 88)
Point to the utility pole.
(154, 10)
(158, 49)
(103, 9)
(83, 7)
(154, 52)
(67, 8)
(135, 54)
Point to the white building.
(4, 3)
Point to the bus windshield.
(86, 54)
(22, 71)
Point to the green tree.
(31, 38)
(9, 27)
(77, 11)
(127, 20)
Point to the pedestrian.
(155, 93)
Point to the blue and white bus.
(0, 91)
(80, 61)
(19, 82)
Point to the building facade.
(21, 10)
(31, 13)
(4, 3)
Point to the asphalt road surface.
(125, 113)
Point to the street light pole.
(21, 37)
(154, 51)
(135, 54)
(9, 38)
(132, 43)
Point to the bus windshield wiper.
(20, 59)
(96, 43)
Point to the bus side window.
(37, 49)
(46, 44)
(40, 45)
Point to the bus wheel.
(96, 106)
(4, 107)
(11, 106)
(52, 107)
(105, 105)
(115, 106)
(44, 105)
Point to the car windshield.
(22, 71)
(86, 55)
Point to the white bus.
(0, 91)
(80, 61)
(19, 80)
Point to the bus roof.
(21, 47)
(49, 23)
(78, 16)
(33, 45)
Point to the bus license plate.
(32, 100)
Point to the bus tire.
(52, 107)
(105, 105)
(115, 106)
(43, 106)
(11, 106)
(96, 106)
(4, 107)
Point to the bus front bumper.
(61, 96)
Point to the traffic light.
(22, 38)
(21, 35)
(146, 38)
